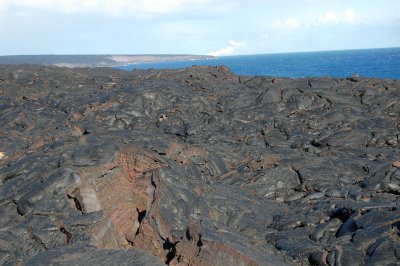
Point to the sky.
(211, 27)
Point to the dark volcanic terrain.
(197, 166)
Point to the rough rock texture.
(197, 166)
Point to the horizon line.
(192, 54)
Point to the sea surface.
(373, 63)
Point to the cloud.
(291, 23)
(347, 16)
(110, 7)
(228, 50)
(328, 18)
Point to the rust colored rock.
(205, 162)
(183, 154)
(148, 238)
(121, 191)
(264, 162)
(210, 253)
(396, 164)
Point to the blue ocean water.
(376, 63)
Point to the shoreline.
(92, 61)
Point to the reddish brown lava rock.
(213, 253)
(154, 227)
(121, 191)
(183, 153)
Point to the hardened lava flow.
(197, 166)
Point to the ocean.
(372, 63)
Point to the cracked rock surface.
(197, 166)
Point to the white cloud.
(110, 7)
(291, 23)
(328, 18)
(347, 16)
(228, 50)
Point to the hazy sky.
(224, 27)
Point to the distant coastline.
(72, 61)
(371, 63)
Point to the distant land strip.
(72, 61)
